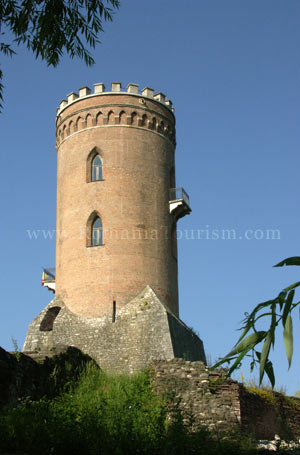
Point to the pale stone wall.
(144, 330)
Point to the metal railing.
(48, 274)
(179, 193)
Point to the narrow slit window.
(97, 169)
(97, 232)
(114, 311)
(174, 241)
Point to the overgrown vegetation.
(105, 414)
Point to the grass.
(106, 414)
(254, 384)
(266, 392)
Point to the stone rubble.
(279, 446)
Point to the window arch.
(94, 230)
(96, 169)
(94, 165)
(97, 232)
(49, 318)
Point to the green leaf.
(288, 338)
(292, 286)
(281, 297)
(250, 319)
(270, 372)
(258, 355)
(221, 361)
(287, 306)
(246, 330)
(248, 343)
(245, 346)
(264, 356)
(295, 260)
(273, 325)
(238, 361)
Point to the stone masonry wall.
(144, 330)
(209, 399)
(205, 398)
(266, 414)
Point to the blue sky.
(232, 70)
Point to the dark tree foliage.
(279, 311)
(50, 28)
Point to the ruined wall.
(270, 413)
(38, 375)
(205, 399)
(209, 399)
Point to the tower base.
(142, 331)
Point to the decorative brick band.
(122, 116)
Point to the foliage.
(49, 28)
(105, 414)
(265, 394)
(279, 310)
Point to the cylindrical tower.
(116, 228)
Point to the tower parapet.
(116, 87)
(144, 110)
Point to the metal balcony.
(179, 203)
(48, 278)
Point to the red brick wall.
(132, 202)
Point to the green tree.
(50, 28)
(279, 311)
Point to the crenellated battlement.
(116, 88)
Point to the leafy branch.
(51, 27)
(279, 311)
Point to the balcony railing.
(179, 203)
(179, 193)
(48, 274)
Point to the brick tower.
(132, 138)
(117, 209)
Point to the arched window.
(96, 169)
(97, 232)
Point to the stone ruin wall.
(208, 399)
